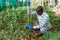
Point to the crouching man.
(44, 22)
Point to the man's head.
(39, 10)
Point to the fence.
(10, 3)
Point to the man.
(44, 21)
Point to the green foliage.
(51, 36)
(13, 23)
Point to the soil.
(33, 37)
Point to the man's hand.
(34, 27)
